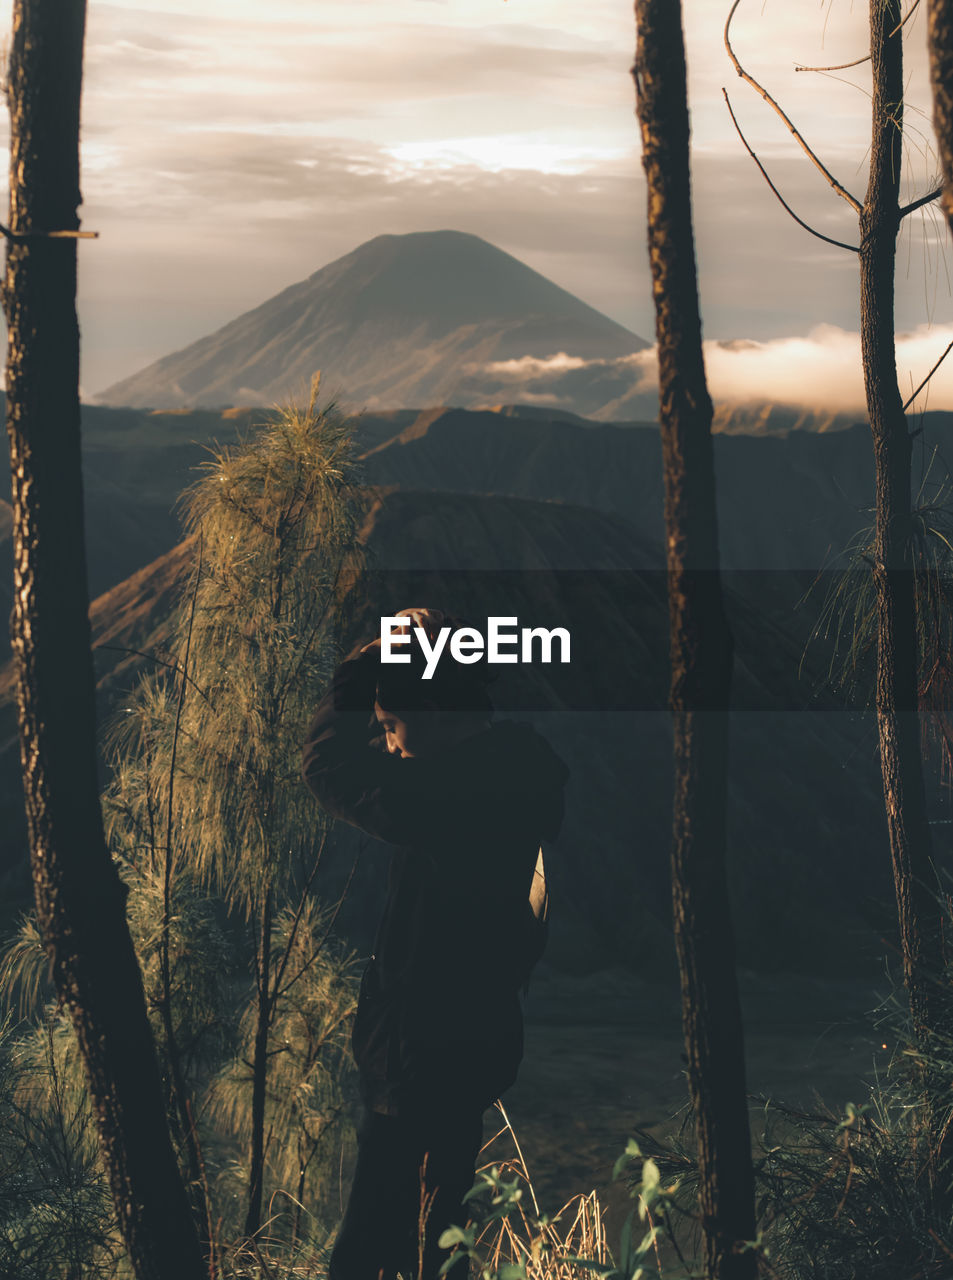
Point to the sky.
(233, 147)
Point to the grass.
(546, 1248)
(521, 1241)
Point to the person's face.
(411, 736)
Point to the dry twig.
(800, 221)
(811, 155)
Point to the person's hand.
(429, 620)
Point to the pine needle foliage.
(24, 970)
(275, 523)
(853, 1192)
(856, 1194)
(848, 613)
(307, 1104)
(56, 1214)
(249, 992)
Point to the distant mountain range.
(518, 511)
(788, 499)
(405, 320)
(806, 824)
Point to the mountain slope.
(806, 825)
(402, 321)
(784, 501)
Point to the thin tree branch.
(800, 221)
(293, 932)
(331, 598)
(18, 237)
(172, 666)
(918, 204)
(327, 933)
(814, 159)
(838, 66)
(909, 402)
(858, 62)
(175, 746)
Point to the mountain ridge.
(482, 553)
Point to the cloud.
(228, 219)
(230, 151)
(527, 367)
(821, 370)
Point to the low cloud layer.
(823, 370)
(820, 371)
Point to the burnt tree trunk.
(898, 717)
(80, 900)
(940, 42)
(701, 656)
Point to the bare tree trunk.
(897, 650)
(701, 655)
(80, 900)
(940, 40)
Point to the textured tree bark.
(897, 649)
(701, 657)
(940, 43)
(80, 900)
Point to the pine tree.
(218, 842)
(275, 528)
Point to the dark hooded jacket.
(439, 1014)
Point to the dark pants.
(379, 1234)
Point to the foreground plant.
(79, 898)
(507, 1239)
(249, 992)
(848, 612)
(274, 523)
(848, 1194)
(849, 1197)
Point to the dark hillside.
(806, 813)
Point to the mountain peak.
(400, 321)
(446, 235)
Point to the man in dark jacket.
(438, 1033)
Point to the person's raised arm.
(353, 779)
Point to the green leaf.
(632, 1152)
(852, 1113)
(625, 1244)
(452, 1236)
(647, 1243)
(498, 1214)
(650, 1176)
(452, 1260)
